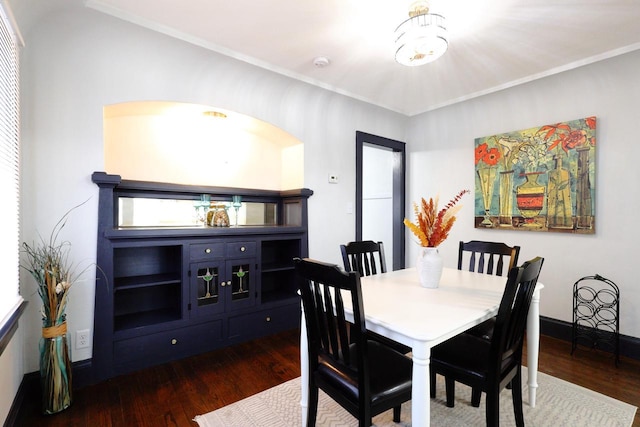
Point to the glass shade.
(421, 39)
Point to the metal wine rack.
(596, 315)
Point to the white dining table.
(398, 307)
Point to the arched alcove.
(199, 145)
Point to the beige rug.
(559, 403)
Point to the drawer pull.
(174, 341)
(242, 249)
(268, 319)
(207, 251)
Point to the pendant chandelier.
(422, 38)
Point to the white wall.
(441, 159)
(77, 60)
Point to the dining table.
(398, 307)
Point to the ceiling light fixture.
(422, 38)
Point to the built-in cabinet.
(167, 292)
(222, 276)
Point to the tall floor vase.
(55, 369)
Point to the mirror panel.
(175, 213)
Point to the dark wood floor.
(172, 394)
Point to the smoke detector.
(320, 61)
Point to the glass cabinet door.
(207, 288)
(241, 283)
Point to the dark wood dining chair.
(491, 365)
(367, 258)
(363, 376)
(487, 257)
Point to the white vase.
(429, 266)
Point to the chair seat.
(474, 359)
(400, 348)
(483, 330)
(387, 381)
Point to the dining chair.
(367, 258)
(488, 258)
(363, 376)
(491, 365)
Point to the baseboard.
(26, 390)
(82, 374)
(29, 388)
(629, 346)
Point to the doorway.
(380, 194)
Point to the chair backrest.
(508, 333)
(366, 257)
(329, 334)
(483, 256)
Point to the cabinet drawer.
(264, 322)
(206, 251)
(241, 249)
(165, 346)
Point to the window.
(10, 299)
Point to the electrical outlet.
(82, 338)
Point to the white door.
(377, 197)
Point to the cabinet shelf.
(274, 267)
(240, 293)
(212, 297)
(145, 318)
(132, 282)
(281, 296)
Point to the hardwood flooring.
(172, 394)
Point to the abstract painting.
(538, 179)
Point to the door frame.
(398, 198)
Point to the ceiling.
(493, 44)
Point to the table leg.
(304, 371)
(420, 391)
(533, 346)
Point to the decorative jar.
(429, 266)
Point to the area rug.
(558, 403)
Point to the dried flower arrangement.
(433, 226)
(48, 263)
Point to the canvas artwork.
(538, 179)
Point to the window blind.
(10, 298)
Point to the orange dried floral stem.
(432, 229)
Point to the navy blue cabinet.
(223, 276)
(167, 290)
